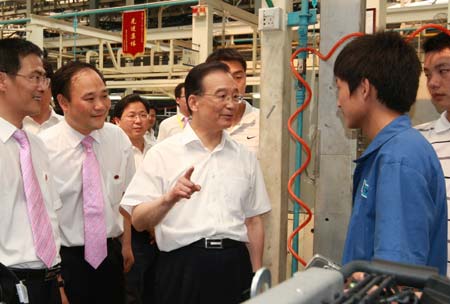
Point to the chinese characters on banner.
(134, 29)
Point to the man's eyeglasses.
(222, 97)
(36, 79)
(132, 117)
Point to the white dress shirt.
(170, 126)
(33, 127)
(114, 154)
(150, 138)
(246, 132)
(138, 155)
(232, 189)
(437, 132)
(16, 238)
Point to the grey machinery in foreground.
(326, 285)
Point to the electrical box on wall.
(269, 18)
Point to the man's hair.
(48, 68)
(389, 63)
(151, 107)
(178, 89)
(124, 102)
(437, 43)
(193, 85)
(61, 80)
(227, 54)
(12, 50)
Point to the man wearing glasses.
(131, 114)
(205, 195)
(245, 126)
(29, 237)
(46, 117)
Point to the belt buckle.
(213, 244)
(52, 273)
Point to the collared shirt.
(437, 132)
(400, 209)
(114, 154)
(170, 126)
(232, 189)
(16, 238)
(33, 127)
(246, 132)
(139, 155)
(150, 138)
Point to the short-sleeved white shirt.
(170, 126)
(115, 156)
(246, 132)
(437, 132)
(16, 238)
(232, 189)
(33, 127)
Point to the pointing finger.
(189, 173)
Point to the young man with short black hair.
(399, 202)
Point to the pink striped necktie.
(95, 249)
(41, 228)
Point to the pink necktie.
(185, 121)
(95, 250)
(41, 227)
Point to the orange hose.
(305, 146)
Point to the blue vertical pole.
(300, 97)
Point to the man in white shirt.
(131, 114)
(437, 70)
(46, 117)
(93, 164)
(150, 134)
(245, 126)
(22, 85)
(205, 194)
(176, 123)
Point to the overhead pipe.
(107, 10)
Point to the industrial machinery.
(381, 282)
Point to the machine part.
(262, 280)
(315, 285)
(384, 282)
(322, 262)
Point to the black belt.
(216, 243)
(45, 274)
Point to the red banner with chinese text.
(134, 28)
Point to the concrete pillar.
(276, 98)
(380, 7)
(29, 8)
(35, 34)
(202, 35)
(337, 145)
(93, 19)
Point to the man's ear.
(116, 120)
(193, 103)
(2, 81)
(366, 88)
(63, 102)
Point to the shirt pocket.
(235, 192)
